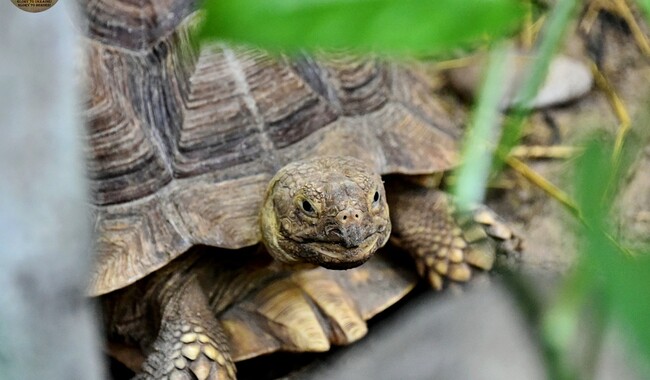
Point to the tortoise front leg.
(190, 342)
(445, 244)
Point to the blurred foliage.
(485, 127)
(473, 174)
(388, 26)
(554, 29)
(645, 5)
(619, 283)
(607, 280)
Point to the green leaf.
(619, 283)
(389, 26)
(483, 134)
(552, 34)
(594, 174)
(629, 283)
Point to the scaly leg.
(190, 342)
(262, 308)
(445, 244)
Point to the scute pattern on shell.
(181, 145)
(133, 24)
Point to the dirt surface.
(547, 225)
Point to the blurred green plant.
(485, 139)
(554, 30)
(645, 4)
(613, 286)
(386, 26)
(483, 134)
(619, 283)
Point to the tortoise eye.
(375, 199)
(307, 207)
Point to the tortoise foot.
(448, 246)
(459, 248)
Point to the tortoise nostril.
(349, 216)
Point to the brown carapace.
(197, 158)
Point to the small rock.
(568, 79)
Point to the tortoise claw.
(448, 246)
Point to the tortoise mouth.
(337, 256)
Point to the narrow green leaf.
(483, 134)
(389, 26)
(550, 40)
(629, 283)
(620, 283)
(594, 173)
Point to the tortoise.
(225, 179)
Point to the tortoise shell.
(181, 144)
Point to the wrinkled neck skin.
(326, 211)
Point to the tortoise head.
(328, 211)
